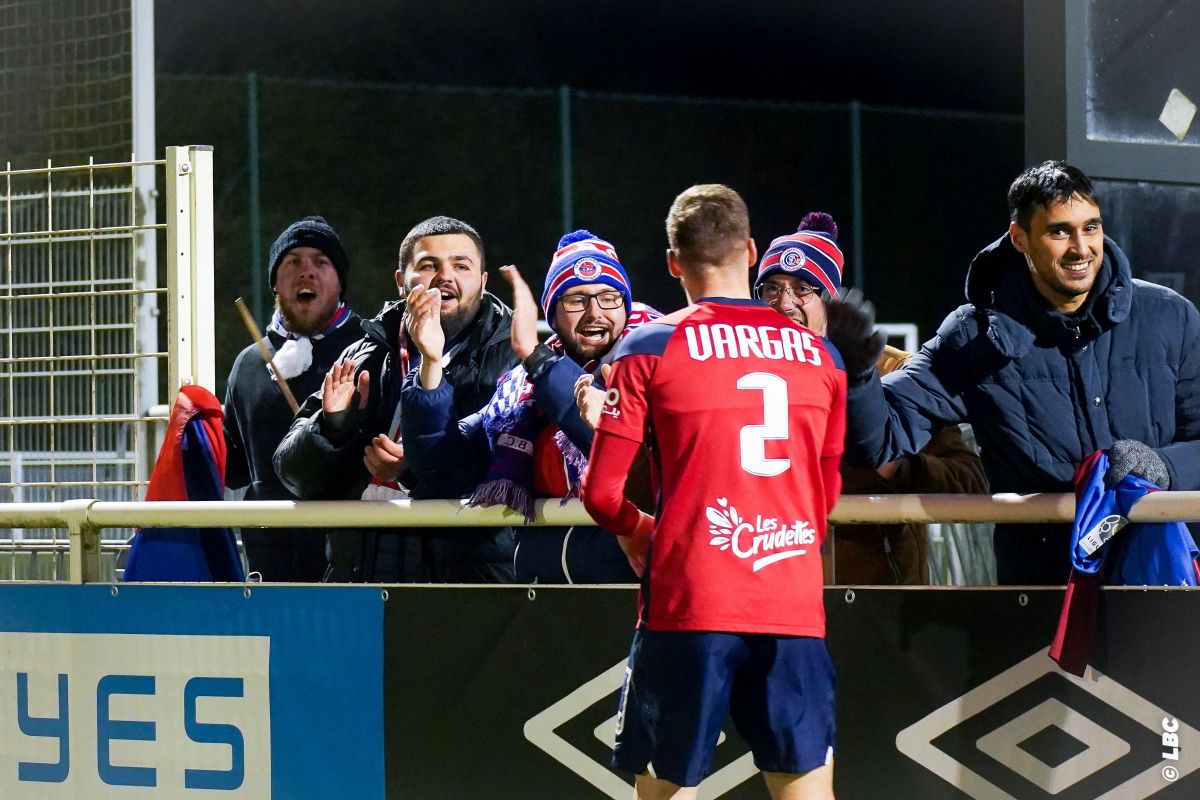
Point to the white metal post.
(84, 541)
(191, 353)
(204, 266)
(144, 178)
(145, 246)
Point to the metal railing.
(80, 304)
(84, 519)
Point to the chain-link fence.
(65, 90)
(917, 192)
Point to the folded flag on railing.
(190, 466)
(1144, 554)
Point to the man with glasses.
(528, 441)
(797, 268)
(795, 276)
(781, 296)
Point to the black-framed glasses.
(772, 292)
(578, 302)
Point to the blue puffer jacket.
(1043, 389)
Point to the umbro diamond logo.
(542, 731)
(1134, 739)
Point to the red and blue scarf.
(513, 424)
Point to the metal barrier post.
(85, 541)
(191, 349)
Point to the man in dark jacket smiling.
(347, 442)
(1059, 352)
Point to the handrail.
(85, 518)
(1155, 507)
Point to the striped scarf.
(512, 423)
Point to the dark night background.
(378, 115)
(933, 53)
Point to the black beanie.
(310, 232)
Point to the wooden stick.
(252, 327)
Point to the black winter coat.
(321, 457)
(1043, 390)
(257, 417)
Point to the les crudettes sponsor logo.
(764, 541)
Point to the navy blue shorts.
(681, 684)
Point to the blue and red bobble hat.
(810, 254)
(581, 258)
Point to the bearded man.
(529, 441)
(310, 328)
(347, 440)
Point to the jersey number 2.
(775, 424)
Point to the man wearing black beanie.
(307, 271)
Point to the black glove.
(1131, 457)
(850, 325)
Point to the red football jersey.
(744, 412)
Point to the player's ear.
(752, 252)
(1018, 237)
(673, 264)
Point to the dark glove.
(1131, 457)
(850, 325)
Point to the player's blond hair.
(706, 223)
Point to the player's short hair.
(1044, 185)
(706, 223)
(437, 226)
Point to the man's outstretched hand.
(525, 313)
(339, 390)
(850, 325)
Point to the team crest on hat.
(792, 259)
(586, 269)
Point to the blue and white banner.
(191, 692)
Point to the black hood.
(998, 284)
(990, 271)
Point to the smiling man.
(1059, 352)
(348, 439)
(311, 326)
(529, 441)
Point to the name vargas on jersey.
(721, 340)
